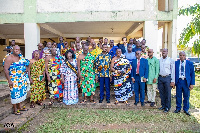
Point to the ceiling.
(73, 29)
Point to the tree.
(196, 48)
(192, 29)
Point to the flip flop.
(116, 102)
(32, 106)
(23, 109)
(17, 112)
(92, 101)
(51, 103)
(40, 103)
(83, 101)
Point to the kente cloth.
(17, 73)
(55, 86)
(88, 73)
(38, 86)
(122, 87)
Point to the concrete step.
(7, 108)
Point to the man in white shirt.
(166, 80)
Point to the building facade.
(32, 21)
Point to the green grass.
(195, 97)
(124, 120)
(65, 119)
(3, 82)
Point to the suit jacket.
(143, 70)
(189, 72)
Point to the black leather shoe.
(136, 103)
(147, 102)
(166, 110)
(108, 100)
(161, 108)
(101, 100)
(187, 113)
(152, 104)
(142, 104)
(177, 111)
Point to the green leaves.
(192, 10)
(193, 28)
(196, 47)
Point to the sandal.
(126, 102)
(51, 103)
(23, 109)
(17, 112)
(83, 101)
(92, 101)
(60, 101)
(116, 102)
(40, 103)
(32, 106)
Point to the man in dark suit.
(184, 81)
(139, 75)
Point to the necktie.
(182, 68)
(138, 66)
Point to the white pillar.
(150, 33)
(166, 5)
(31, 38)
(172, 45)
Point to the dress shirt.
(139, 67)
(167, 67)
(130, 56)
(184, 63)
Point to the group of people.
(130, 66)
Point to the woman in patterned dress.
(69, 78)
(37, 79)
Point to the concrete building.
(32, 21)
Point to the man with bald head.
(153, 63)
(184, 81)
(166, 80)
(139, 75)
(52, 67)
(15, 66)
(47, 50)
(40, 50)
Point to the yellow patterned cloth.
(96, 52)
(38, 86)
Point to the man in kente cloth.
(86, 72)
(52, 67)
(121, 69)
(15, 67)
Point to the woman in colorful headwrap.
(37, 79)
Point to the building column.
(165, 35)
(31, 38)
(172, 45)
(150, 33)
